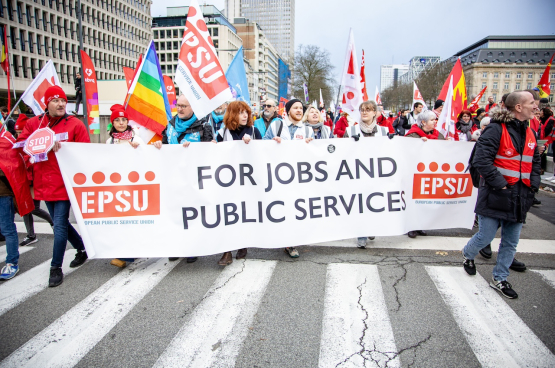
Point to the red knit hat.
(21, 121)
(118, 111)
(54, 92)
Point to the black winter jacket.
(513, 203)
(198, 126)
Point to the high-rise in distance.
(275, 17)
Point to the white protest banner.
(199, 75)
(34, 94)
(210, 198)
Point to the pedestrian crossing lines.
(356, 325)
(4, 253)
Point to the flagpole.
(83, 91)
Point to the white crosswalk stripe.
(548, 276)
(356, 327)
(214, 334)
(4, 253)
(498, 337)
(69, 338)
(29, 283)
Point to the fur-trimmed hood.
(501, 115)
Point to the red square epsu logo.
(445, 184)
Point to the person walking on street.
(507, 158)
(48, 183)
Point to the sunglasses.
(268, 106)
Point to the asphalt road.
(274, 311)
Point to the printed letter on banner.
(199, 74)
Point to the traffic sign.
(40, 141)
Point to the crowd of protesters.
(504, 126)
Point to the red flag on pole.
(91, 94)
(363, 80)
(459, 88)
(544, 85)
(5, 63)
(474, 104)
(129, 74)
(170, 90)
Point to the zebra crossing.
(356, 325)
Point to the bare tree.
(312, 66)
(431, 81)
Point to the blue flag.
(237, 78)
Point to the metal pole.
(83, 92)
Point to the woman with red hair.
(238, 125)
(464, 127)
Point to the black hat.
(438, 104)
(290, 104)
(479, 111)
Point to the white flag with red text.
(446, 120)
(350, 80)
(199, 75)
(34, 94)
(377, 98)
(417, 97)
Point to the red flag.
(474, 104)
(170, 90)
(459, 88)
(363, 80)
(129, 74)
(91, 93)
(544, 85)
(5, 63)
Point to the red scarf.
(123, 136)
(434, 134)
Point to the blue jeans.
(8, 229)
(63, 231)
(510, 234)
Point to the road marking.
(70, 337)
(498, 337)
(25, 285)
(548, 276)
(4, 253)
(40, 227)
(356, 328)
(219, 324)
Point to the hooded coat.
(512, 203)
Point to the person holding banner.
(216, 118)
(315, 120)
(185, 128)
(121, 132)
(293, 127)
(48, 183)
(368, 126)
(269, 115)
(464, 127)
(238, 126)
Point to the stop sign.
(41, 141)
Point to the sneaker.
(550, 178)
(517, 266)
(412, 234)
(536, 202)
(486, 251)
(56, 277)
(28, 240)
(80, 258)
(9, 271)
(361, 243)
(422, 232)
(293, 253)
(469, 266)
(505, 288)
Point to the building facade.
(275, 17)
(505, 64)
(417, 65)
(115, 32)
(391, 74)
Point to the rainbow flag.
(147, 101)
(94, 115)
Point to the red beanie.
(52, 93)
(21, 121)
(117, 112)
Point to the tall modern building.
(275, 17)
(115, 32)
(390, 74)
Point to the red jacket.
(328, 122)
(535, 124)
(386, 122)
(340, 126)
(488, 107)
(11, 163)
(48, 182)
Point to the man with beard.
(268, 116)
(216, 118)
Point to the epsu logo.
(444, 185)
(118, 199)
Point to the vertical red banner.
(172, 98)
(91, 93)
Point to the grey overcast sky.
(396, 30)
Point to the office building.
(417, 65)
(390, 75)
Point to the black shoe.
(536, 202)
(412, 234)
(191, 259)
(173, 259)
(504, 288)
(422, 232)
(28, 241)
(486, 251)
(371, 237)
(56, 277)
(517, 266)
(80, 258)
(469, 266)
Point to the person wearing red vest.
(490, 104)
(48, 183)
(507, 158)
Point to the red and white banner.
(137, 205)
(34, 94)
(91, 94)
(350, 80)
(199, 75)
(447, 118)
(378, 99)
(417, 96)
(170, 90)
(363, 79)
(474, 105)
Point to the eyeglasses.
(268, 106)
(182, 106)
(367, 110)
